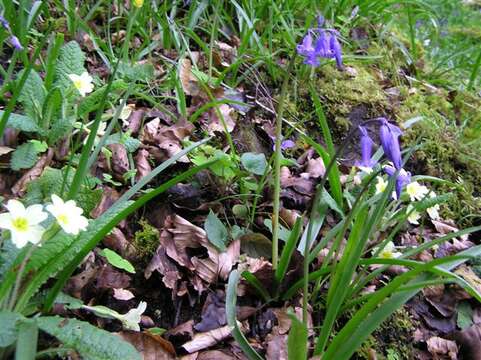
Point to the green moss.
(445, 154)
(392, 340)
(146, 240)
(342, 91)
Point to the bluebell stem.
(403, 178)
(366, 150)
(389, 135)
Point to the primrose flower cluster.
(24, 223)
(389, 135)
(13, 39)
(320, 43)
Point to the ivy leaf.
(92, 343)
(24, 157)
(118, 261)
(216, 231)
(254, 163)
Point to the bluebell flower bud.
(389, 135)
(403, 178)
(16, 43)
(366, 149)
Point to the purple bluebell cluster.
(320, 43)
(13, 39)
(389, 136)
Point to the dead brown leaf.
(470, 342)
(207, 339)
(142, 164)
(188, 80)
(442, 349)
(151, 347)
(20, 186)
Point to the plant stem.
(277, 167)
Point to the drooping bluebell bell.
(15, 43)
(13, 39)
(403, 178)
(389, 135)
(326, 45)
(366, 143)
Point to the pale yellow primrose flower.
(433, 211)
(83, 83)
(68, 215)
(131, 320)
(416, 191)
(381, 185)
(138, 3)
(388, 252)
(23, 223)
(414, 216)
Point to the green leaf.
(118, 261)
(297, 339)
(288, 250)
(131, 144)
(40, 146)
(60, 128)
(92, 101)
(254, 163)
(90, 342)
(136, 72)
(71, 61)
(26, 347)
(33, 95)
(465, 315)
(230, 310)
(8, 330)
(24, 157)
(21, 122)
(216, 231)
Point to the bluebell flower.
(403, 178)
(306, 47)
(326, 45)
(285, 144)
(13, 39)
(366, 143)
(15, 43)
(4, 23)
(389, 135)
(336, 50)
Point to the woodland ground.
(168, 75)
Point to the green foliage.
(117, 261)
(33, 95)
(136, 72)
(22, 123)
(71, 61)
(254, 163)
(90, 341)
(8, 330)
(24, 156)
(216, 231)
(53, 180)
(297, 340)
(146, 240)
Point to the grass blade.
(230, 309)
